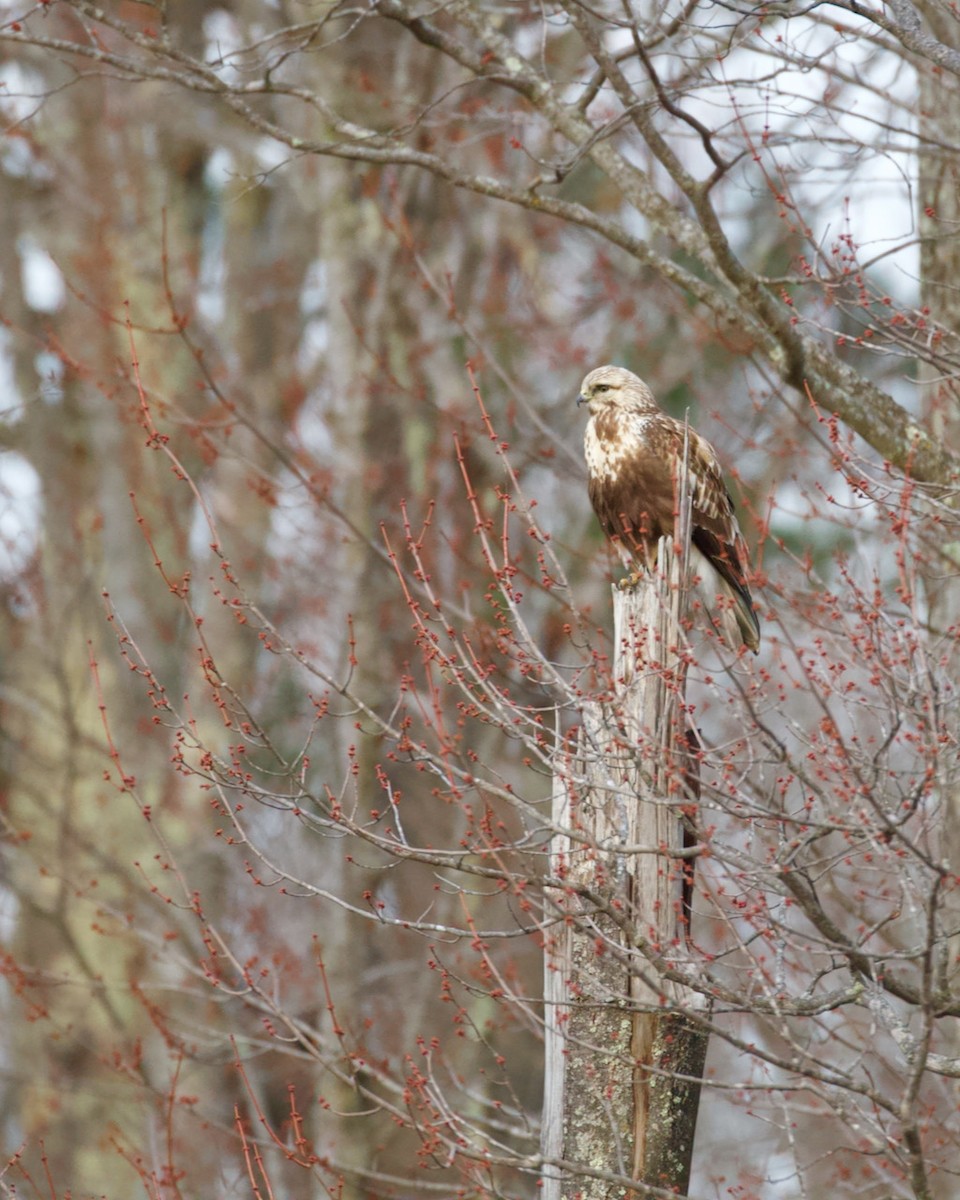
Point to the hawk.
(634, 455)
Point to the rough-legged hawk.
(634, 458)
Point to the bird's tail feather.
(745, 615)
(736, 617)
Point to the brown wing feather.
(716, 532)
(635, 498)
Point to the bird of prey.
(634, 455)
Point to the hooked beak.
(581, 399)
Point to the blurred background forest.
(248, 250)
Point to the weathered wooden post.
(618, 1033)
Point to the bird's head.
(615, 387)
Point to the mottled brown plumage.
(634, 455)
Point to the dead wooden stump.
(625, 1051)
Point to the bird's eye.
(602, 387)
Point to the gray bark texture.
(625, 1051)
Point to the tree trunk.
(617, 1033)
(939, 225)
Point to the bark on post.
(617, 1033)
